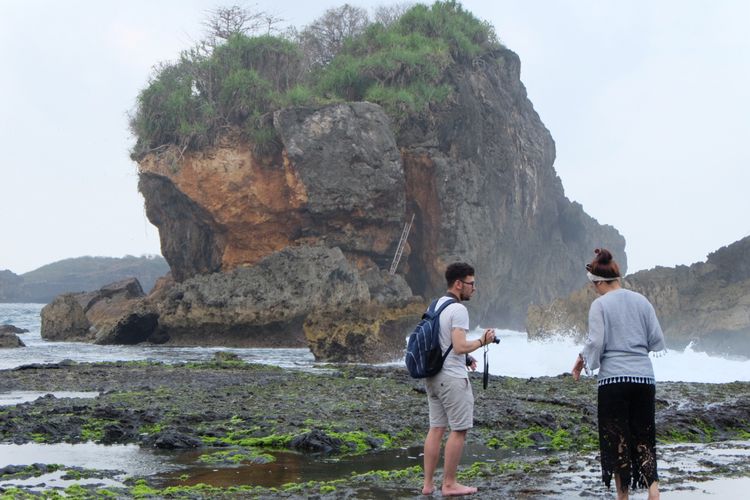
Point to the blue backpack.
(424, 358)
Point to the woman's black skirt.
(627, 434)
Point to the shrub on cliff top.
(237, 83)
(402, 66)
(240, 82)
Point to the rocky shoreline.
(227, 408)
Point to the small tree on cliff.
(224, 22)
(325, 36)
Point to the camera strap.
(486, 374)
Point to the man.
(449, 394)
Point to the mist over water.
(515, 356)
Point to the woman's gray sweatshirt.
(623, 329)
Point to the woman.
(623, 329)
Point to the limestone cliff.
(480, 177)
(337, 181)
(477, 173)
(707, 303)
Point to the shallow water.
(126, 460)
(725, 488)
(38, 350)
(292, 467)
(169, 466)
(18, 397)
(129, 458)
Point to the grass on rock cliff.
(241, 82)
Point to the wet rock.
(538, 438)
(171, 440)
(118, 433)
(12, 329)
(115, 314)
(374, 443)
(64, 319)
(10, 340)
(134, 327)
(362, 333)
(316, 441)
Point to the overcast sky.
(647, 101)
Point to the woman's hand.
(577, 367)
(471, 363)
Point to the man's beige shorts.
(451, 402)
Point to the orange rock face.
(240, 192)
(336, 180)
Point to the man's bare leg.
(431, 457)
(454, 447)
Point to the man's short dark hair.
(457, 271)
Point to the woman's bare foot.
(457, 490)
(428, 489)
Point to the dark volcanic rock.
(119, 433)
(172, 440)
(316, 441)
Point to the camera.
(496, 340)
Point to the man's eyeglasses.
(473, 284)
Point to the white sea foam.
(516, 356)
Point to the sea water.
(514, 356)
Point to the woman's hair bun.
(603, 256)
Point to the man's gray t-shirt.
(454, 316)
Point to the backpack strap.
(437, 313)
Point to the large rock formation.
(707, 303)
(477, 173)
(271, 304)
(114, 314)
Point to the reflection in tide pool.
(128, 458)
(290, 467)
(121, 460)
(58, 479)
